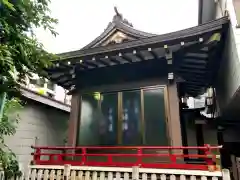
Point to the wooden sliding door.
(131, 118)
(134, 117)
(154, 117)
(109, 124)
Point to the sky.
(81, 21)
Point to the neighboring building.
(45, 87)
(42, 122)
(43, 119)
(228, 77)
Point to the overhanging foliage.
(20, 51)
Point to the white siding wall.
(40, 121)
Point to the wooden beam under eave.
(104, 61)
(91, 63)
(192, 72)
(153, 54)
(139, 55)
(126, 58)
(83, 66)
(62, 79)
(74, 120)
(194, 61)
(195, 57)
(193, 66)
(114, 60)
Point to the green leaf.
(8, 127)
(8, 4)
(20, 51)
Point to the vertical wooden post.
(234, 167)
(143, 134)
(173, 124)
(74, 119)
(120, 118)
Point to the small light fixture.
(182, 43)
(170, 76)
(69, 62)
(149, 49)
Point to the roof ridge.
(117, 23)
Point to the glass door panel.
(108, 124)
(131, 118)
(88, 130)
(154, 117)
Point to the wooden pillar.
(174, 125)
(74, 119)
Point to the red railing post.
(208, 158)
(83, 156)
(51, 157)
(60, 157)
(139, 157)
(173, 157)
(109, 159)
(37, 156)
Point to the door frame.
(142, 119)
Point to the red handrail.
(206, 146)
(175, 155)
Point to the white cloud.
(81, 21)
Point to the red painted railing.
(144, 156)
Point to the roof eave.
(149, 40)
